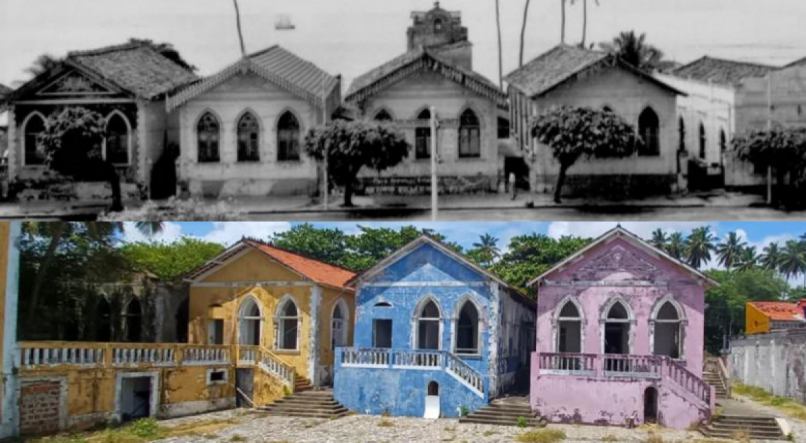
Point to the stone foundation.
(611, 187)
(421, 185)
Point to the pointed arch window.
(649, 130)
(569, 332)
(208, 132)
(467, 330)
(667, 331)
(429, 326)
(703, 141)
(118, 140)
(616, 337)
(288, 133)
(338, 328)
(288, 326)
(103, 318)
(248, 138)
(383, 116)
(469, 135)
(134, 321)
(422, 136)
(250, 323)
(681, 129)
(723, 141)
(438, 25)
(34, 149)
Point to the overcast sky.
(352, 36)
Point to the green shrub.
(542, 436)
(146, 428)
(522, 422)
(463, 411)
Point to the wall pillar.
(9, 414)
(313, 356)
(12, 145)
(142, 130)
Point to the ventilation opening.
(135, 398)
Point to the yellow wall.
(756, 322)
(329, 299)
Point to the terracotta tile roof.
(564, 63)
(722, 72)
(782, 311)
(277, 65)
(315, 270)
(401, 67)
(135, 67)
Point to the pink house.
(620, 337)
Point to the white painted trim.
(9, 421)
(415, 336)
(477, 284)
(259, 284)
(345, 310)
(629, 321)
(155, 391)
(682, 323)
(75, 101)
(313, 351)
(464, 383)
(556, 319)
(128, 137)
(210, 372)
(241, 317)
(288, 298)
(364, 366)
(467, 298)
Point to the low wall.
(775, 362)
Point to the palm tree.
(793, 260)
(676, 245)
(523, 29)
(729, 251)
(488, 245)
(634, 50)
(42, 64)
(771, 256)
(699, 246)
(57, 232)
(500, 45)
(240, 31)
(659, 239)
(585, 22)
(748, 259)
(562, 28)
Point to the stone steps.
(756, 427)
(502, 414)
(309, 403)
(302, 384)
(713, 379)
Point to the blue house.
(434, 335)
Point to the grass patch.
(237, 437)
(609, 437)
(385, 423)
(488, 433)
(653, 438)
(140, 431)
(741, 436)
(785, 405)
(542, 436)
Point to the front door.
(650, 405)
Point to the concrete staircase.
(301, 384)
(713, 379)
(308, 403)
(504, 412)
(754, 427)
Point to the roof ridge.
(107, 49)
(265, 50)
(298, 254)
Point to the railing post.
(107, 356)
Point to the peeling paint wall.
(775, 362)
(397, 294)
(9, 287)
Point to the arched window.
(134, 321)
(250, 322)
(649, 129)
(182, 318)
(209, 135)
(34, 150)
(703, 141)
(667, 335)
(103, 318)
(248, 138)
(467, 330)
(723, 141)
(617, 329)
(469, 135)
(287, 326)
(288, 130)
(438, 25)
(383, 116)
(422, 136)
(503, 128)
(338, 327)
(569, 323)
(681, 129)
(117, 140)
(429, 326)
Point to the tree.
(485, 251)
(748, 259)
(351, 146)
(659, 239)
(634, 50)
(583, 43)
(523, 30)
(784, 150)
(325, 244)
(168, 51)
(729, 252)
(42, 64)
(771, 257)
(676, 246)
(793, 260)
(500, 44)
(73, 141)
(169, 261)
(699, 246)
(572, 133)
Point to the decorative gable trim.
(39, 84)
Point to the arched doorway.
(650, 405)
(432, 406)
(649, 131)
(616, 336)
(250, 323)
(134, 321)
(338, 326)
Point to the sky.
(350, 37)
(758, 234)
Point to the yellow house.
(280, 309)
(766, 316)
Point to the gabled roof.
(277, 65)
(798, 62)
(720, 71)
(311, 269)
(619, 232)
(418, 60)
(565, 63)
(4, 90)
(134, 68)
(780, 311)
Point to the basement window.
(216, 376)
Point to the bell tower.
(441, 31)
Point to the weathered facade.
(127, 84)
(775, 362)
(620, 337)
(9, 285)
(434, 334)
(436, 72)
(242, 129)
(292, 310)
(570, 76)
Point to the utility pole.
(240, 31)
(325, 175)
(434, 180)
(769, 128)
